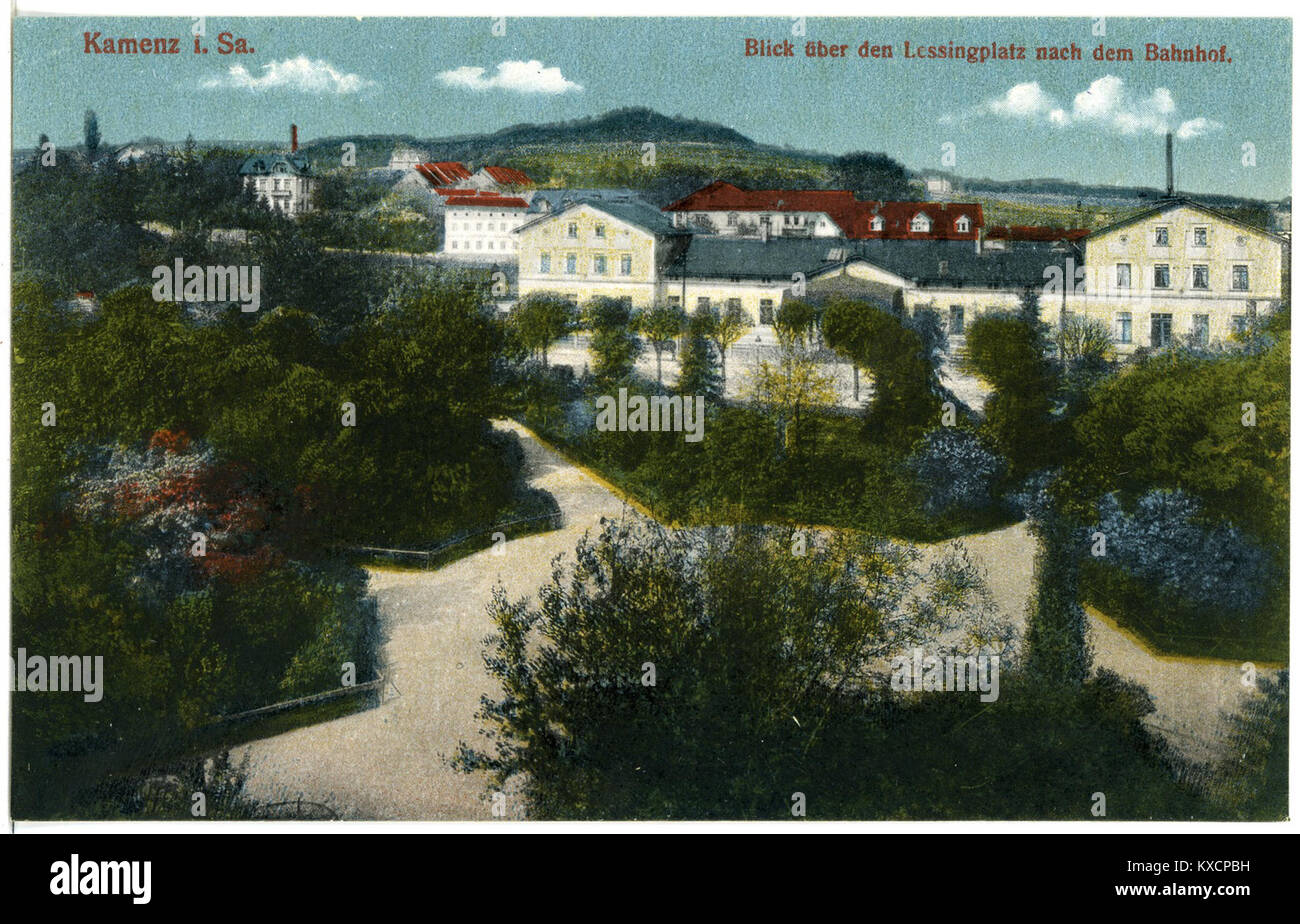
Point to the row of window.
(1200, 236)
(1200, 276)
(478, 226)
(599, 264)
(478, 245)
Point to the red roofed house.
(478, 224)
(500, 178)
(444, 173)
(732, 210)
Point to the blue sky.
(1089, 121)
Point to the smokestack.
(1169, 164)
(293, 139)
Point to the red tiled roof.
(898, 220)
(507, 176)
(495, 201)
(444, 173)
(1034, 233)
(854, 218)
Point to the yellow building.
(1179, 269)
(612, 248)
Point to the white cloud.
(514, 76)
(1107, 104)
(300, 73)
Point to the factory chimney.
(1169, 164)
(293, 140)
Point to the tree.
(540, 319)
(796, 323)
(614, 344)
(871, 176)
(903, 370)
(726, 326)
(1058, 652)
(678, 675)
(1008, 352)
(91, 127)
(698, 365)
(661, 324)
(791, 388)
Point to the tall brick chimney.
(293, 139)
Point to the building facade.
(617, 249)
(1179, 270)
(482, 226)
(283, 182)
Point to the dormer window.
(921, 223)
(877, 223)
(732, 219)
(963, 225)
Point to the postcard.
(649, 419)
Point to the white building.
(481, 226)
(284, 182)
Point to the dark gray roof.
(559, 198)
(958, 265)
(636, 212)
(263, 164)
(711, 256)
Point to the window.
(478, 226)
(766, 315)
(1200, 276)
(600, 230)
(921, 223)
(1201, 329)
(702, 303)
(573, 229)
(1238, 323)
(963, 225)
(1124, 327)
(956, 320)
(1162, 237)
(732, 219)
(455, 245)
(544, 263)
(1200, 237)
(1162, 330)
(625, 265)
(599, 265)
(491, 246)
(1240, 277)
(674, 301)
(492, 225)
(478, 245)
(1123, 275)
(733, 304)
(570, 263)
(1162, 276)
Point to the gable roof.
(444, 172)
(853, 218)
(507, 176)
(263, 164)
(959, 267)
(1165, 205)
(636, 212)
(711, 256)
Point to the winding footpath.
(391, 762)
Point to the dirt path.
(390, 762)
